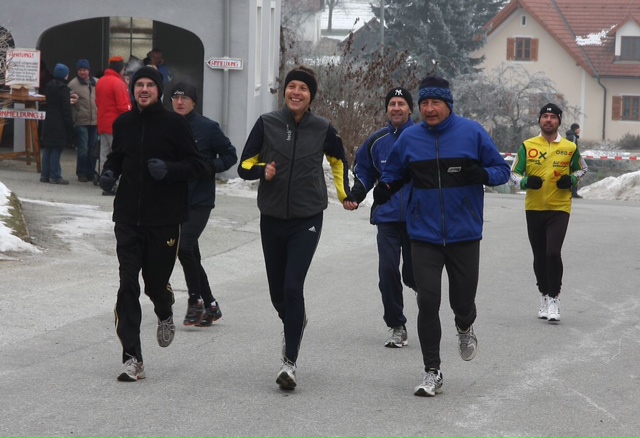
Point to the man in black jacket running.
(154, 155)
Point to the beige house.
(589, 48)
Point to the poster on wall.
(23, 68)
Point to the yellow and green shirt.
(549, 161)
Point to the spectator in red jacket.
(112, 99)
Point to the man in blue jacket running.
(448, 160)
(389, 218)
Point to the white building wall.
(27, 20)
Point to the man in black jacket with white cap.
(154, 155)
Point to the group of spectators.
(80, 113)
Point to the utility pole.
(382, 27)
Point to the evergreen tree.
(442, 31)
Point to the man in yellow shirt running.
(547, 167)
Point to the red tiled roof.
(565, 20)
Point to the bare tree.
(292, 47)
(352, 88)
(331, 5)
(6, 42)
(506, 102)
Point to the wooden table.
(32, 138)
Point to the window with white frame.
(630, 48)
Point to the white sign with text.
(23, 68)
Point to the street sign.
(225, 63)
(22, 114)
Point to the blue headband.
(436, 93)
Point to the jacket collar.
(446, 124)
(394, 130)
(155, 108)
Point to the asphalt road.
(59, 355)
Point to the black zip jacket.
(137, 137)
(58, 124)
(217, 151)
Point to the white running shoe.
(467, 344)
(431, 384)
(554, 309)
(398, 338)
(544, 307)
(166, 331)
(287, 376)
(132, 371)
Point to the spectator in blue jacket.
(390, 218)
(218, 152)
(448, 159)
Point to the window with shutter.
(534, 49)
(511, 49)
(522, 49)
(616, 108)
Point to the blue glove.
(107, 181)
(157, 168)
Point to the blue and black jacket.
(444, 206)
(370, 161)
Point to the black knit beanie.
(151, 73)
(301, 75)
(550, 108)
(185, 89)
(399, 92)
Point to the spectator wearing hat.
(448, 159)
(112, 100)
(573, 135)
(390, 218)
(57, 130)
(285, 151)
(85, 117)
(154, 155)
(219, 154)
(547, 167)
(155, 58)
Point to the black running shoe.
(211, 314)
(195, 312)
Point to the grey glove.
(157, 168)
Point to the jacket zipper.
(293, 160)
(141, 167)
(444, 221)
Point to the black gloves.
(381, 193)
(358, 191)
(107, 181)
(565, 182)
(475, 174)
(157, 168)
(533, 182)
